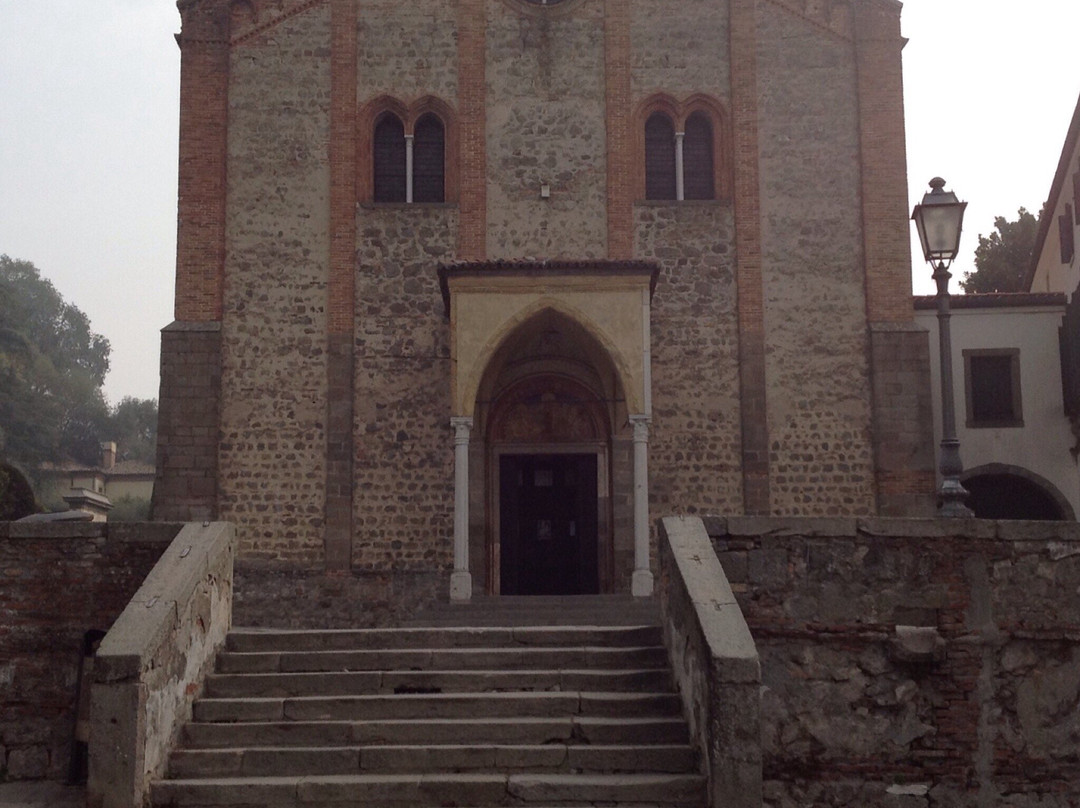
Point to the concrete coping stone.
(153, 612)
(122, 532)
(765, 527)
(731, 646)
(54, 530)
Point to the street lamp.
(939, 219)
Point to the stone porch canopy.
(487, 301)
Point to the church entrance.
(548, 510)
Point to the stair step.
(403, 681)
(441, 637)
(598, 730)
(436, 705)
(264, 761)
(392, 791)
(592, 657)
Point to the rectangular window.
(992, 383)
(1065, 235)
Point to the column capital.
(641, 425)
(462, 426)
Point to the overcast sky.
(88, 130)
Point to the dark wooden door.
(548, 524)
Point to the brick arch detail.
(679, 111)
(408, 114)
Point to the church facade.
(475, 290)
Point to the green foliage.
(51, 369)
(133, 425)
(16, 496)
(130, 509)
(1002, 258)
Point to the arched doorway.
(549, 413)
(1000, 491)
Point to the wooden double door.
(548, 524)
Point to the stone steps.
(404, 790)
(445, 659)
(364, 682)
(441, 715)
(316, 760)
(666, 730)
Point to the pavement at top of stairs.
(39, 794)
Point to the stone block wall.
(59, 581)
(272, 470)
(817, 375)
(912, 663)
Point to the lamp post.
(939, 219)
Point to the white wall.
(1043, 444)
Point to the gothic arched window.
(429, 160)
(388, 153)
(698, 173)
(659, 157)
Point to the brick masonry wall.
(695, 439)
(679, 49)
(818, 398)
(545, 125)
(404, 455)
(852, 715)
(189, 401)
(407, 50)
(58, 582)
(274, 331)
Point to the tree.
(52, 366)
(1002, 258)
(133, 425)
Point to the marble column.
(461, 578)
(641, 584)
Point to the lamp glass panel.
(939, 229)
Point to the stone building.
(470, 292)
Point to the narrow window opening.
(659, 157)
(698, 180)
(429, 160)
(389, 158)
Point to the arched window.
(698, 176)
(429, 160)
(659, 157)
(389, 157)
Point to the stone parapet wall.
(912, 663)
(59, 581)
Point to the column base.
(460, 586)
(641, 584)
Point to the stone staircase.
(514, 701)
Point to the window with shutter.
(389, 156)
(659, 157)
(429, 160)
(698, 176)
(1065, 235)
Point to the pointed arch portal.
(551, 392)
